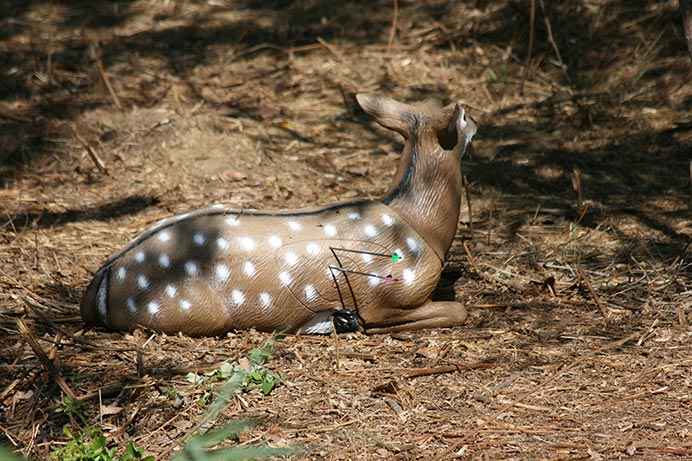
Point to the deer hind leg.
(432, 314)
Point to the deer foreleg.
(432, 314)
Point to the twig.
(15, 118)
(37, 309)
(532, 21)
(9, 388)
(467, 192)
(107, 81)
(457, 367)
(552, 41)
(548, 100)
(686, 13)
(583, 212)
(48, 364)
(90, 150)
(392, 31)
(493, 278)
(472, 260)
(595, 297)
(337, 54)
(162, 122)
(336, 345)
(576, 185)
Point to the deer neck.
(427, 194)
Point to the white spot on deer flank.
(310, 293)
(265, 300)
(366, 257)
(247, 243)
(312, 248)
(409, 276)
(285, 277)
(237, 297)
(185, 304)
(291, 258)
(140, 257)
(294, 225)
(164, 236)
(330, 230)
(387, 220)
(121, 274)
(131, 305)
(199, 239)
(374, 281)
(249, 268)
(222, 243)
(370, 230)
(101, 296)
(354, 215)
(164, 260)
(142, 282)
(153, 307)
(171, 290)
(191, 268)
(274, 241)
(232, 220)
(399, 253)
(222, 272)
(412, 244)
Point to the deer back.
(219, 269)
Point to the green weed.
(257, 376)
(89, 444)
(251, 375)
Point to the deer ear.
(387, 112)
(445, 128)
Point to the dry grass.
(573, 259)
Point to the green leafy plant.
(202, 446)
(89, 444)
(133, 453)
(252, 374)
(248, 374)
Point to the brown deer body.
(362, 264)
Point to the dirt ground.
(573, 251)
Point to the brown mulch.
(573, 253)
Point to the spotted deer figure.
(359, 265)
